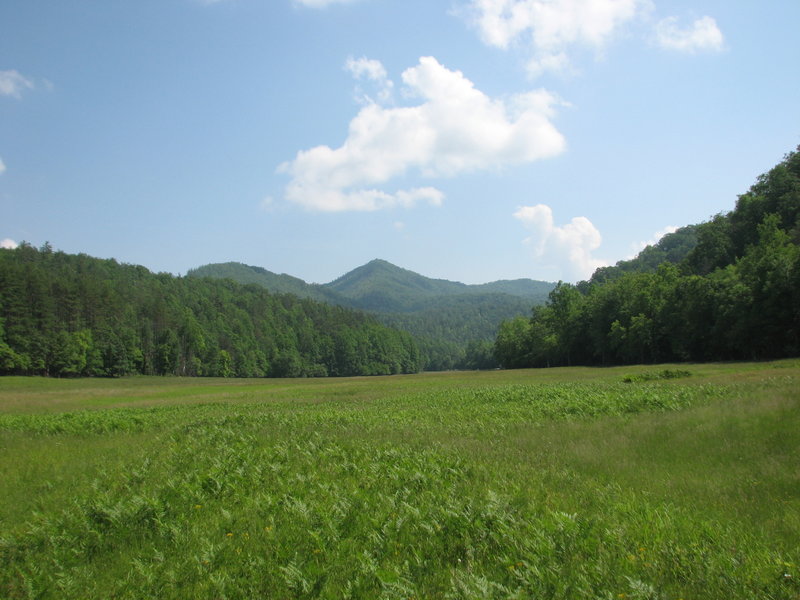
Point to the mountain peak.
(378, 286)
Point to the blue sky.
(470, 140)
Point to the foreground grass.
(562, 483)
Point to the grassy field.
(659, 482)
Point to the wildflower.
(198, 506)
(229, 534)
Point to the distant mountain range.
(445, 316)
(378, 286)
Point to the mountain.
(383, 287)
(378, 286)
(444, 316)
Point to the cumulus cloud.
(552, 30)
(374, 72)
(566, 250)
(12, 83)
(2, 166)
(8, 244)
(552, 27)
(701, 35)
(455, 128)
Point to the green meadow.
(652, 482)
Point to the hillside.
(279, 284)
(673, 248)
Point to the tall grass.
(564, 483)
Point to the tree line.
(74, 315)
(734, 295)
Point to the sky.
(469, 140)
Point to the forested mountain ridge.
(453, 323)
(64, 314)
(275, 283)
(378, 286)
(383, 287)
(735, 295)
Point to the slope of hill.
(279, 284)
(523, 288)
(672, 248)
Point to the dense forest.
(68, 315)
(725, 289)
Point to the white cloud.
(2, 166)
(455, 129)
(703, 34)
(563, 250)
(374, 71)
(366, 67)
(12, 83)
(637, 247)
(552, 27)
(8, 244)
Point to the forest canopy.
(73, 315)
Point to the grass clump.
(657, 375)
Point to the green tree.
(512, 346)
